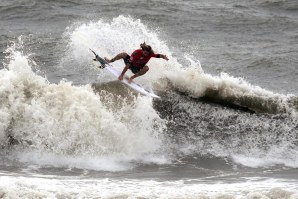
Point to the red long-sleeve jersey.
(137, 59)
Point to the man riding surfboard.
(137, 61)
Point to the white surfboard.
(116, 73)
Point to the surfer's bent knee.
(145, 68)
(123, 55)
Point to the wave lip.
(231, 91)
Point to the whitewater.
(71, 130)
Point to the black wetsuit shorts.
(133, 68)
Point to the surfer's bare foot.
(120, 77)
(107, 60)
(129, 80)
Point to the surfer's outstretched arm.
(164, 57)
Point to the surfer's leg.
(143, 70)
(117, 57)
(140, 73)
(127, 66)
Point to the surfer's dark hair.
(146, 47)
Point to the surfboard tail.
(92, 51)
(99, 59)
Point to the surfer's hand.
(165, 57)
(120, 77)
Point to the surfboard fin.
(99, 59)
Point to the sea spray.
(72, 121)
(122, 34)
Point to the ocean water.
(226, 125)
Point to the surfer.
(137, 61)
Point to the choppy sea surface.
(226, 125)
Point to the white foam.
(30, 187)
(273, 157)
(64, 122)
(122, 34)
(72, 121)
